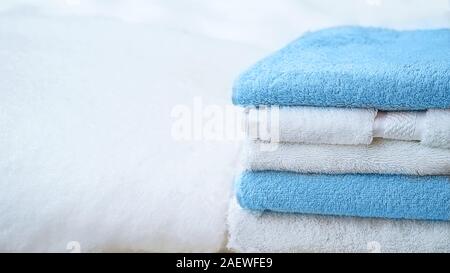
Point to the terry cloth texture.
(400, 125)
(287, 232)
(353, 67)
(311, 124)
(346, 126)
(437, 128)
(386, 196)
(382, 156)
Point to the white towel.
(279, 232)
(437, 129)
(321, 125)
(328, 125)
(382, 156)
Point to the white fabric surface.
(279, 232)
(382, 156)
(400, 125)
(86, 151)
(321, 125)
(346, 126)
(437, 129)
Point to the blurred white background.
(264, 23)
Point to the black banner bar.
(219, 262)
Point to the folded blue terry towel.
(387, 196)
(354, 67)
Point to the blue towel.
(354, 67)
(387, 196)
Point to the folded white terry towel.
(328, 125)
(382, 156)
(282, 232)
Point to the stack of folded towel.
(349, 147)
